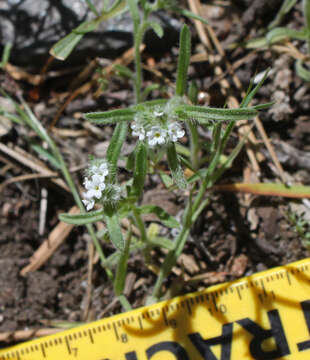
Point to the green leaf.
(116, 143)
(166, 179)
(9, 116)
(191, 15)
(121, 271)
(82, 218)
(47, 155)
(110, 117)
(63, 48)
(175, 166)
(134, 12)
(285, 8)
(150, 104)
(183, 61)
(123, 71)
(263, 106)
(140, 170)
(148, 89)
(159, 31)
(86, 27)
(256, 43)
(282, 33)
(250, 95)
(114, 230)
(167, 219)
(306, 11)
(6, 54)
(301, 71)
(193, 92)
(162, 242)
(206, 114)
(92, 7)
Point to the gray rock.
(34, 26)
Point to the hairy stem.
(194, 145)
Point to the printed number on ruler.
(264, 316)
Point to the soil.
(237, 234)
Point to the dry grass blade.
(31, 162)
(12, 336)
(50, 245)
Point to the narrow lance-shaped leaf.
(83, 218)
(175, 166)
(301, 71)
(6, 54)
(159, 31)
(122, 269)
(115, 146)
(183, 61)
(250, 95)
(63, 48)
(282, 33)
(110, 117)
(191, 15)
(206, 114)
(92, 7)
(134, 12)
(124, 71)
(167, 219)
(151, 104)
(285, 8)
(114, 230)
(47, 155)
(140, 169)
(306, 11)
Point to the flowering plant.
(156, 126)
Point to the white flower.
(102, 170)
(138, 130)
(175, 131)
(156, 135)
(87, 183)
(89, 202)
(96, 187)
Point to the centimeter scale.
(263, 316)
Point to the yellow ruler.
(264, 316)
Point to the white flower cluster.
(95, 184)
(158, 134)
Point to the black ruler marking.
(90, 336)
(165, 317)
(43, 351)
(239, 293)
(115, 331)
(263, 287)
(68, 345)
(214, 302)
(288, 278)
(140, 323)
(188, 306)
